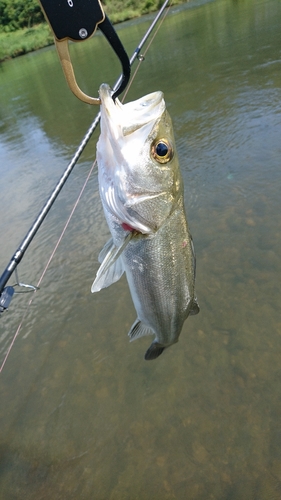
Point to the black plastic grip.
(73, 19)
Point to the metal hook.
(78, 21)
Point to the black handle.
(73, 19)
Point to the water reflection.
(82, 415)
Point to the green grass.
(16, 43)
(19, 42)
(119, 11)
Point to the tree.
(15, 14)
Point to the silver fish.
(141, 191)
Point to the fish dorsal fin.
(138, 330)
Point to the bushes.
(16, 14)
(22, 41)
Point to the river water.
(82, 415)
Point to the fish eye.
(162, 151)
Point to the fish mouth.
(106, 93)
(131, 116)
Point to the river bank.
(19, 42)
(22, 41)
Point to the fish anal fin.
(138, 330)
(153, 351)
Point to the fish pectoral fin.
(108, 247)
(138, 330)
(105, 278)
(195, 309)
(111, 268)
(153, 351)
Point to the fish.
(142, 194)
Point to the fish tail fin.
(153, 351)
(195, 309)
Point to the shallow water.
(82, 414)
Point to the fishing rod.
(7, 292)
